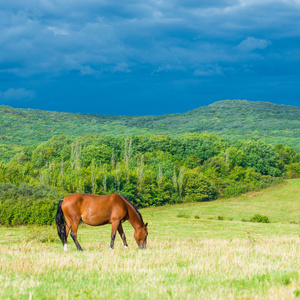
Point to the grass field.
(213, 256)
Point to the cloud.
(87, 70)
(208, 70)
(206, 3)
(57, 31)
(100, 36)
(168, 68)
(252, 43)
(122, 67)
(17, 94)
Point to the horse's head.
(140, 235)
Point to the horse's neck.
(133, 217)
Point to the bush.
(183, 215)
(259, 219)
(293, 170)
(27, 204)
(38, 212)
(24, 192)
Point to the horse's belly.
(95, 218)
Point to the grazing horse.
(96, 210)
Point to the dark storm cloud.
(101, 35)
(199, 38)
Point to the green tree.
(97, 153)
(198, 187)
(262, 157)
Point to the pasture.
(206, 250)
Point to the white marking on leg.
(65, 247)
(125, 246)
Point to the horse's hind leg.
(74, 227)
(122, 234)
(68, 227)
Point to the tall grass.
(193, 269)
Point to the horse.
(97, 210)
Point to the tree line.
(147, 169)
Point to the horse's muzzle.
(143, 247)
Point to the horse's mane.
(126, 200)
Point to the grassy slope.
(186, 258)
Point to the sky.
(147, 57)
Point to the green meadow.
(206, 250)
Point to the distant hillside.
(230, 118)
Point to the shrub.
(28, 204)
(293, 170)
(25, 192)
(297, 293)
(183, 215)
(259, 219)
(38, 212)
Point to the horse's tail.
(60, 223)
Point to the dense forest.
(152, 160)
(147, 169)
(236, 119)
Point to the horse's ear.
(146, 225)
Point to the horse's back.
(95, 209)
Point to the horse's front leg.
(114, 227)
(122, 234)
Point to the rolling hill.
(230, 118)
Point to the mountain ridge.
(274, 123)
(214, 104)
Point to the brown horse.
(99, 210)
